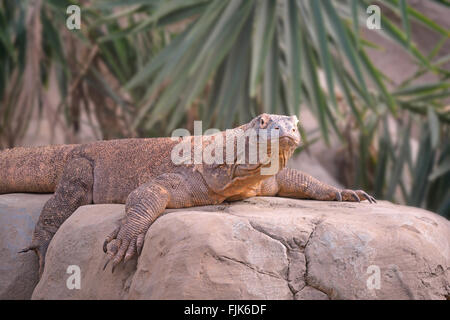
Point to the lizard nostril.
(277, 128)
(293, 130)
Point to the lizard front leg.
(296, 184)
(143, 206)
(73, 191)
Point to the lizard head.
(276, 137)
(283, 128)
(262, 147)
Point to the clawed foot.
(122, 245)
(40, 248)
(354, 195)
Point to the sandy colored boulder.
(260, 248)
(79, 243)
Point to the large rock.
(18, 216)
(260, 248)
(79, 242)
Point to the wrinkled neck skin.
(238, 177)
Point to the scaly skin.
(141, 174)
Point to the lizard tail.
(35, 169)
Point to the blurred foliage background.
(141, 68)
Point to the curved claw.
(107, 261)
(362, 194)
(118, 257)
(32, 247)
(130, 251)
(40, 248)
(350, 195)
(356, 195)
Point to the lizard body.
(141, 174)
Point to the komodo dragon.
(142, 174)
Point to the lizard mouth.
(289, 141)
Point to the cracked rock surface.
(260, 248)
